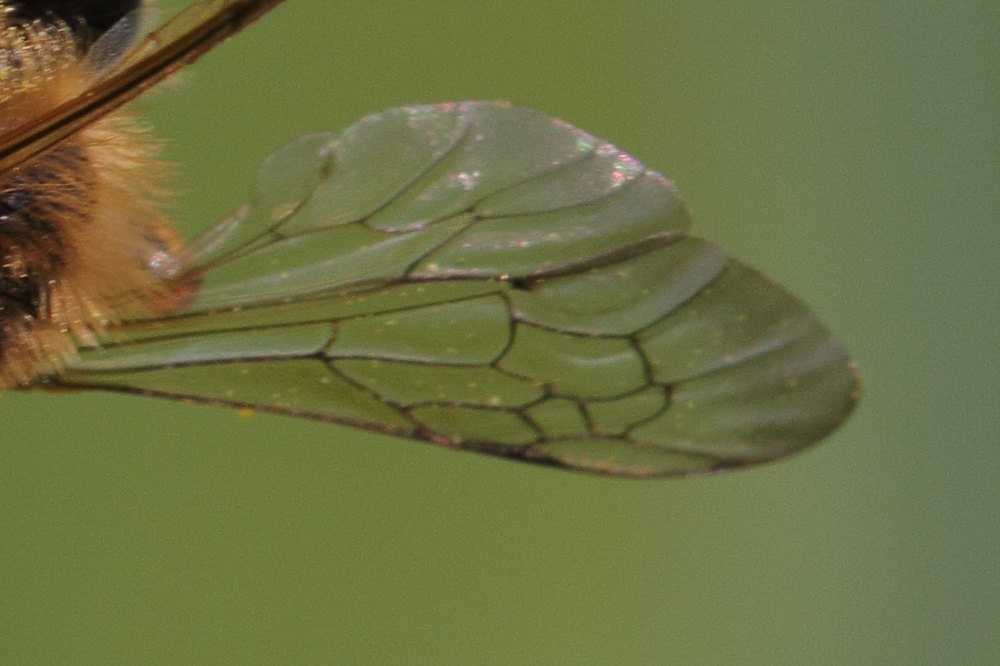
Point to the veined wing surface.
(485, 277)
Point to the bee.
(475, 274)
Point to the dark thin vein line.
(334, 321)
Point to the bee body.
(80, 225)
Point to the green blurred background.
(849, 149)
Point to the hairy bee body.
(82, 237)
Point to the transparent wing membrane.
(485, 277)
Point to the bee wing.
(189, 34)
(485, 277)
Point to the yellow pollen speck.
(281, 211)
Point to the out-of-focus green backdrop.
(849, 149)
